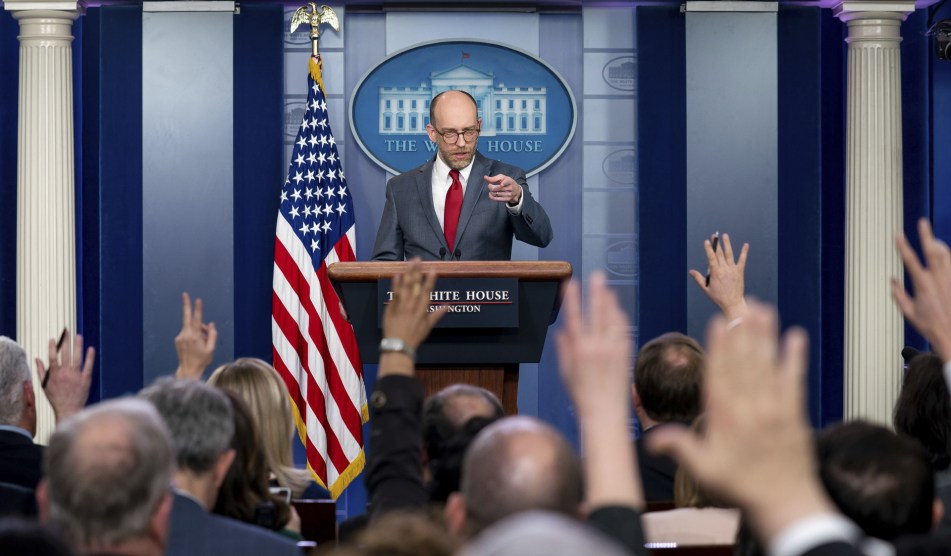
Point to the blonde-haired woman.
(263, 390)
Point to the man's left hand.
(504, 189)
(67, 382)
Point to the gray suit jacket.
(409, 227)
(195, 532)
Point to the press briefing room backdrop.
(143, 146)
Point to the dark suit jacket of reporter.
(657, 471)
(194, 532)
(21, 461)
(410, 228)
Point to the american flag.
(315, 349)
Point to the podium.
(483, 356)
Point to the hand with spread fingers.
(195, 343)
(726, 284)
(594, 355)
(407, 317)
(757, 450)
(67, 381)
(929, 309)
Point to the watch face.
(398, 345)
(392, 344)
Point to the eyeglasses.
(451, 135)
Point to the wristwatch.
(397, 344)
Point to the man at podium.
(460, 205)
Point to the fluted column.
(874, 328)
(46, 238)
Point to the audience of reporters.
(756, 421)
(107, 479)
(200, 419)
(519, 453)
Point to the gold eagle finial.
(315, 18)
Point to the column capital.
(847, 10)
(50, 6)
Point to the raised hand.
(594, 355)
(726, 286)
(195, 343)
(407, 316)
(594, 348)
(929, 310)
(66, 383)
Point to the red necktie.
(453, 207)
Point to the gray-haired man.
(66, 385)
(200, 419)
(108, 471)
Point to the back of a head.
(518, 464)
(882, 481)
(264, 392)
(14, 371)
(199, 418)
(923, 409)
(452, 418)
(403, 533)
(668, 376)
(107, 470)
(541, 534)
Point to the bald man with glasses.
(460, 205)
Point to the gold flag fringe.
(316, 71)
(352, 470)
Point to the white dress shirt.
(441, 182)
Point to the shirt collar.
(442, 169)
(190, 496)
(16, 429)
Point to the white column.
(874, 328)
(46, 238)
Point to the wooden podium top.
(526, 271)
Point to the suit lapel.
(424, 188)
(475, 191)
